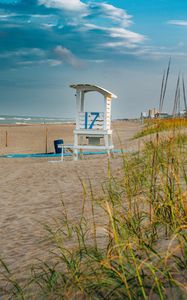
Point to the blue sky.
(124, 46)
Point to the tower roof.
(92, 88)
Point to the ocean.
(21, 120)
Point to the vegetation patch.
(159, 125)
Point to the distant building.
(152, 112)
(155, 114)
(162, 115)
(182, 113)
(144, 114)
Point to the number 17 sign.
(94, 120)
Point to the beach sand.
(32, 189)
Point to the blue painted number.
(87, 126)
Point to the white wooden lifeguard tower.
(91, 127)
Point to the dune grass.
(141, 252)
(159, 125)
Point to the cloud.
(117, 45)
(40, 56)
(68, 31)
(112, 30)
(21, 57)
(23, 52)
(66, 55)
(157, 53)
(71, 5)
(50, 62)
(177, 22)
(5, 17)
(22, 19)
(126, 34)
(111, 12)
(121, 36)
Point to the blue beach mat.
(43, 155)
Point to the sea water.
(21, 120)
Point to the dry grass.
(159, 125)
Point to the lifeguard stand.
(92, 126)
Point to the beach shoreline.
(39, 138)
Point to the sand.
(32, 189)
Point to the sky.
(121, 45)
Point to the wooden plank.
(93, 147)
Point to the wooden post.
(62, 153)
(75, 152)
(6, 139)
(142, 118)
(46, 139)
